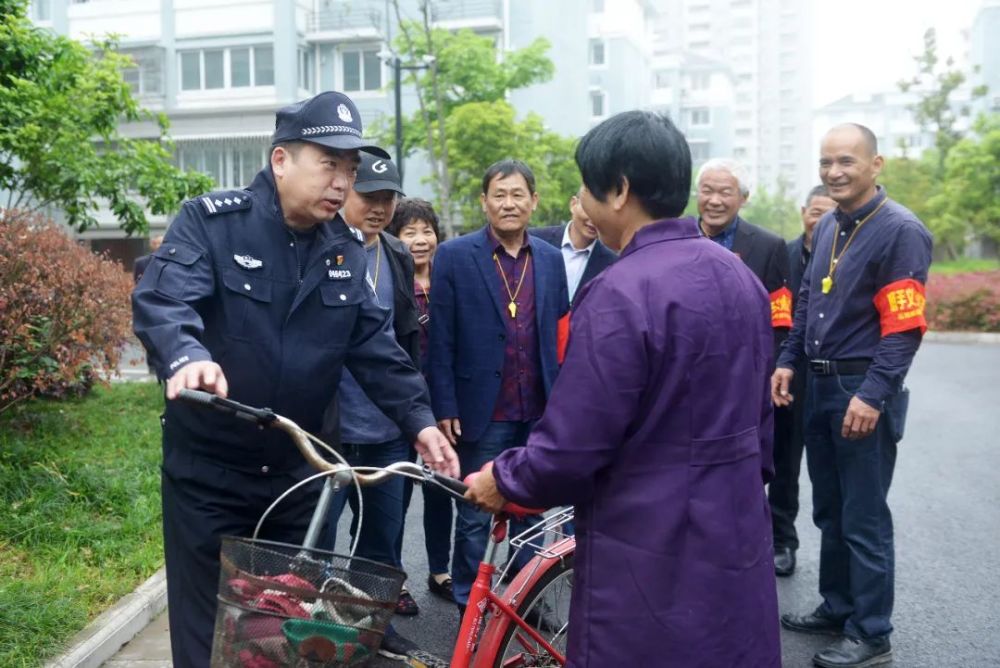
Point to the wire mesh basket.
(289, 606)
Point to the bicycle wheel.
(545, 606)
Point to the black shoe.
(441, 589)
(854, 653)
(812, 622)
(461, 613)
(395, 646)
(784, 561)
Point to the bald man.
(859, 320)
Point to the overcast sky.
(868, 45)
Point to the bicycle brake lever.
(264, 416)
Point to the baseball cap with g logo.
(375, 173)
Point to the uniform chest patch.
(338, 274)
(248, 261)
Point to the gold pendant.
(512, 307)
(827, 284)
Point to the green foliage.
(935, 86)
(79, 485)
(61, 103)
(480, 133)
(461, 75)
(971, 191)
(777, 211)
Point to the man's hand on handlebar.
(434, 448)
(206, 376)
(483, 491)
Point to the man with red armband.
(858, 323)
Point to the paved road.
(946, 502)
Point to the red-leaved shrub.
(64, 311)
(964, 302)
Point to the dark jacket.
(796, 264)
(468, 333)
(225, 286)
(600, 258)
(766, 255)
(139, 268)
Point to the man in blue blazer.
(498, 296)
(583, 253)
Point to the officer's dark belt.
(853, 367)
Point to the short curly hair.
(410, 209)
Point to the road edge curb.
(104, 636)
(963, 337)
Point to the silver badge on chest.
(248, 261)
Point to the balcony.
(359, 15)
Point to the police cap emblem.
(344, 113)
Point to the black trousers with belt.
(789, 441)
(202, 502)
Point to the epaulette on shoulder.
(225, 201)
(356, 233)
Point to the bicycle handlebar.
(267, 417)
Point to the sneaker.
(395, 646)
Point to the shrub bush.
(964, 302)
(64, 311)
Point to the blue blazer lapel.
(487, 267)
(539, 269)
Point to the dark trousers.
(472, 527)
(383, 503)
(201, 503)
(438, 515)
(789, 440)
(850, 484)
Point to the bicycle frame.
(475, 650)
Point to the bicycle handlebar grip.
(509, 508)
(260, 415)
(456, 486)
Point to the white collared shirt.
(576, 261)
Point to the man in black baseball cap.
(368, 437)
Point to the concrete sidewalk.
(149, 649)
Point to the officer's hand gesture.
(781, 379)
(206, 376)
(437, 452)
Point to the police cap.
(329, 119)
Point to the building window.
(597, 54)
(41, 10)
(305, 70)
(229, 166)
(598, 104)
(145, 75)
(698, 46)
(700, 81)
(597, 6)
(238, 67)
(362, 70)
(700, 116)
(699, 151)
(662, 80)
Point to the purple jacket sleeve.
(593, 403)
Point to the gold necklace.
(512, 307)
(827, 283)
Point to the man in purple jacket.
(659, 427)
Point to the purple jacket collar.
(668, 229)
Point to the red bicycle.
(345, 602)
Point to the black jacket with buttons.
(227, 285)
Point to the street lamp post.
(392, 58)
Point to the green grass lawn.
(79, 513)
(964, 265)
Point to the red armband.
(901, 306)
(781, 307)
(562, 338)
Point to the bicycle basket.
(283, 606)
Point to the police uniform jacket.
(227, 285)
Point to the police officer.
(858, 323)
(260, 294)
